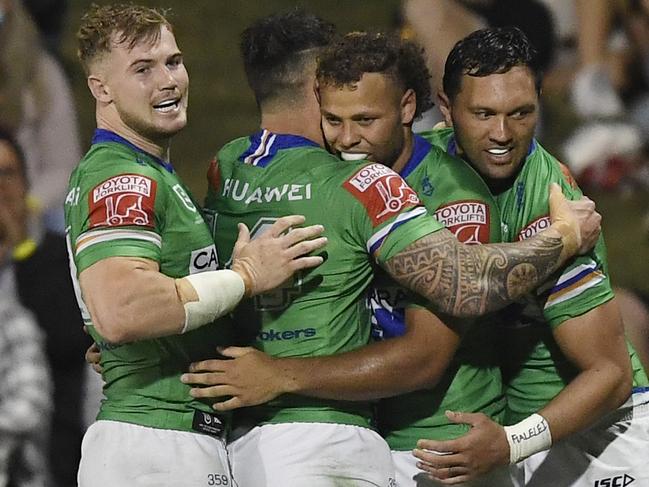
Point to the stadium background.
(222, 106)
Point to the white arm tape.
(528, 437)
(218, 294)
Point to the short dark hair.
(277, 50)
(357, 53)
(489, 51)
(7, 137)
(132, 23)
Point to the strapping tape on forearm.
(218, 293)
(528, 437)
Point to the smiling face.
(142, 91)
(494, 118)
(369, 119)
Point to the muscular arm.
(129, 299)
(470, 280)
(394, 366)
(595, 344)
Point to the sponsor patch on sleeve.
(534, 227)
(383, 193)
(126, 199)
(468, 220)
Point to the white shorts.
(128, 455)
(408, 475)
(613, 453)
(311, 455)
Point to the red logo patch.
(382, 192)
(127, 199)
(536, 226)
(468, 220)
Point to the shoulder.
(545, 165)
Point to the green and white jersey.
(125, 202)
(534, 368)
(457, 196)
(368, 212)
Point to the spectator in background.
(37, 105)
(44, 287)
(438, 24)
(49, 16)
(24, 378)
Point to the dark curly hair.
(489, 51)
(277, 49)
(357, 53)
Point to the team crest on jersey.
(382, 191)
(468, 220)
(536, 226)
(127, 199)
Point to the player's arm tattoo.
(470, 280)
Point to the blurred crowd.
(595, 54)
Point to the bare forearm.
(144, 305)
(587, 398)
(595, 344)
(374, 372)
(470, 280)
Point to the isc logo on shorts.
(618, 481)
(538, 225)
(205, 259)
(468, 220)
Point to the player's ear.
(408, 106)
(445, 107)
(99, 89)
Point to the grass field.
(222, 106)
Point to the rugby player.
(144, 262)
(370, 213)
(563, 344)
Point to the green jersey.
(459, 199)
(368, 213)
(125, 202)
(535, 369)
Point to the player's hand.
(564, 221)
(467, 457)
(249, 376)
(590, 222)
(270, 259)
(93, 357)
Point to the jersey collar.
(103, 135)
(421, 148)
(264, 145)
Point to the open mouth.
(167, 106)
(499, 151)
(353, 156)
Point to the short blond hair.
(103, 26)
